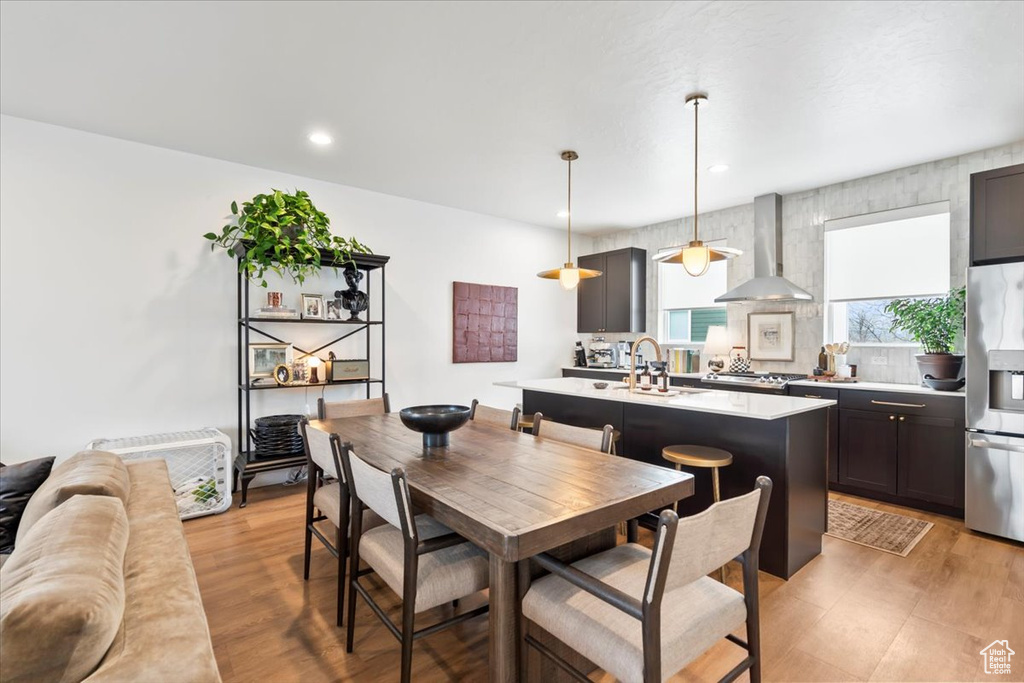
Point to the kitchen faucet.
(632, 354)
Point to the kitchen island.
(782, 437)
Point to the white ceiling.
(469, 104)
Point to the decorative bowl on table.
(436, 422)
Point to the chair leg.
(717, 493)
(632, 530)
(342, 547)
(350, 635)
(408, 622)
(309, 542)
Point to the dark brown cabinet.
(904, 449)
(616, 301)
(867, 450)
(997, 215)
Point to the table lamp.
(314, 363)
(716, 345)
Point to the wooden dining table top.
(512, 494)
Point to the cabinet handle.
(811, 396)
(891, 418)
(903, 418)
(900, 405)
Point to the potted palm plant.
(284, 233)
(934, 324)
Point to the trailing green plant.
(283, 233)
(933, 323)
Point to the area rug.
(896, 534)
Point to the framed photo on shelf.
(313, 307)
(283, 374)
(771, 336)
(264, 358)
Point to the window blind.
(899, 253)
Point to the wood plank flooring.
(852, 614)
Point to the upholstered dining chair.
(643, 615)
(355, 408)
(421, 560)
(594, 439)
(327, 498)
(495, 416)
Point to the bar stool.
(525, 421)
(700, 456)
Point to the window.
(686, 304)
(872, 259)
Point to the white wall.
(117, 320)
(803, 217)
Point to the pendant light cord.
(696, 108)
(568, 209)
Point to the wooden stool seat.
(526, 422)
(697, 456)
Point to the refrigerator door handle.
(983, 443)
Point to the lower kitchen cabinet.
(901, 451)
(867, 450)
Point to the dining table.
(513, 495)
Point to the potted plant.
(934, 324)
(284, 233)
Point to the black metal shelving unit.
(247, 466)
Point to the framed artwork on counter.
(771, 336)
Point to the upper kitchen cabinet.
(616, 301)
(997, 215)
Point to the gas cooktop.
(763, 380)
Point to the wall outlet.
(879, 360)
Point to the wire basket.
(199, 463)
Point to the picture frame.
(771, 335)
(283, 374)
(313, 307)
(265, 357)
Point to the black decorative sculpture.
(354, 301)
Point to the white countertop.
(877, 386)
(755, 406)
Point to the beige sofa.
(100, 591)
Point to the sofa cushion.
(62, 592)
(164, 635)
(90, 473)
(17, 484)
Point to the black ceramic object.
(944, 384)
(354, 301)
(600, 385)
(435, 422)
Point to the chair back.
(495, 416)
(386, 494)
(594, 439)
(356, 408)
(706, 541)
(320, 450)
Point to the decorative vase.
(940, 365)
(354, 301)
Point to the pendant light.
(569, 275)
(696, 257)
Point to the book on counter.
(684, 360)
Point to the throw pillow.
(62, 592)
(17, 484)
(91, 473)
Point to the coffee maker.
(622, 350)
(602, 354)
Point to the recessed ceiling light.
(719, 168)
(563, 214)
(319, 138)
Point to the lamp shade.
(717, 343)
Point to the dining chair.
(594, 439)
(494, 416)
(421, 560)
(643, 614)
(354, 408)
(327, 498)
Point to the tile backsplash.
(803, 217)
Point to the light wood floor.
(852, 614)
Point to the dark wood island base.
(791, 450)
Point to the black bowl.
(434, 421)
(944, 384)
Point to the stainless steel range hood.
(768, 283)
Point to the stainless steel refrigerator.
(994, 499)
